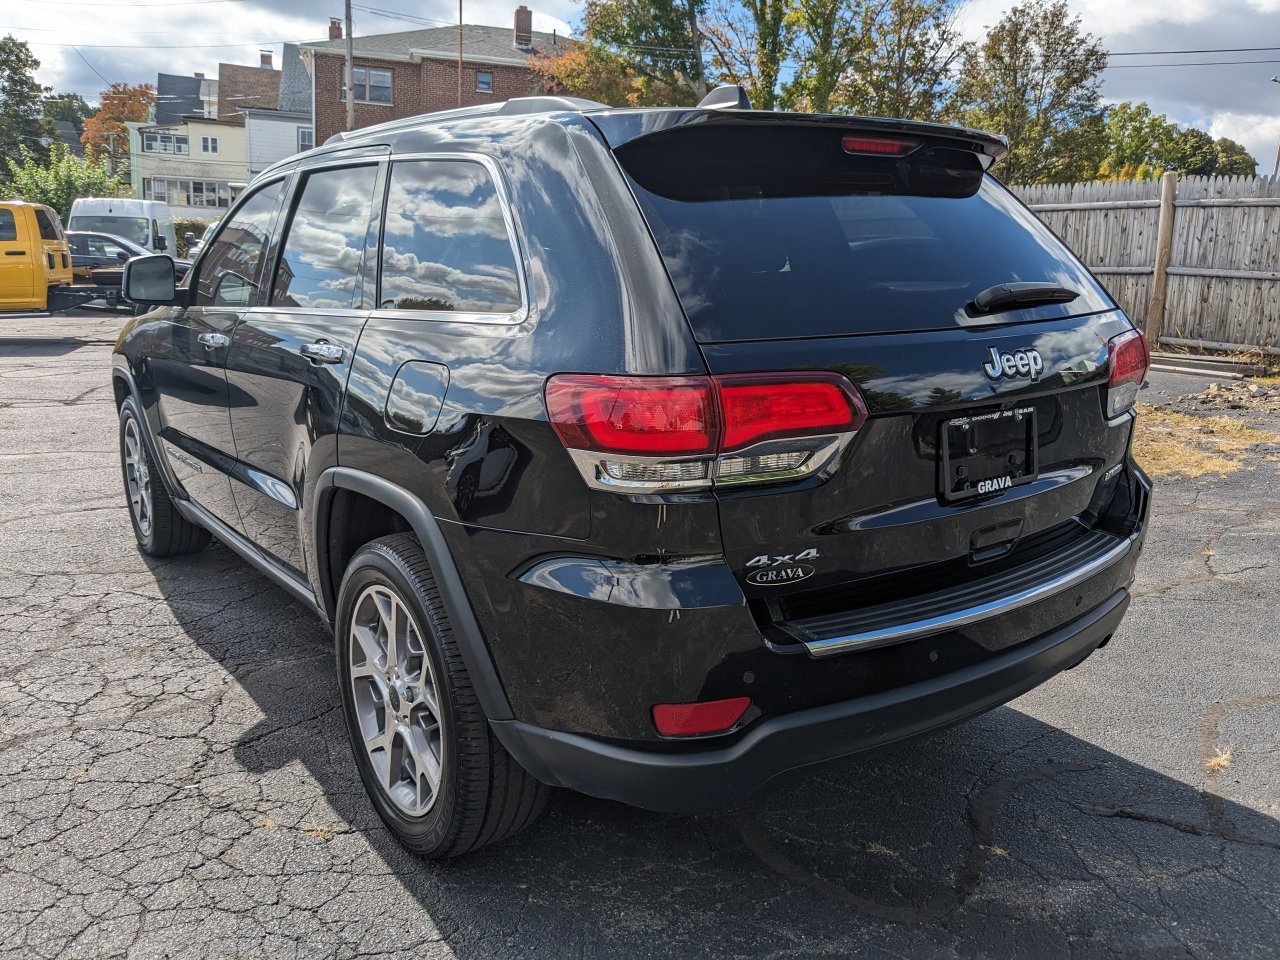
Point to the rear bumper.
(707, 779)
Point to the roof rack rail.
(512, 107)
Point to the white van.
(145, 222)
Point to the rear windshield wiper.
(1013, 296)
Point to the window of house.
(306, 138)
(8, 227)
(484, 82)
(159, 141)
(372, 86)
(445, 241)
(154, 188)
(230, 267)
(325, 240)
(209, 144)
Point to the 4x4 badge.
(769, 570)
(1020, 363)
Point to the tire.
(160, 529)
(420, 718)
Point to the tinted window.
(445, 243)
(48, 225)
(775, 232)
(320, 265)
(8, 226)
(229, 270)
(131, 228)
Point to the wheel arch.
(330, 546)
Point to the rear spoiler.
(620, 127)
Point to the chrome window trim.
(516, 317)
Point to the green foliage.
(195, 226)
(826, 36)
(1035, 79)
(660, 40)
(22, 123)
(1136, 142)
(1233, 159)
(68, 106)
(748, 41)
(59, 180)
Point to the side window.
(325, 239)
(48, 227)
(445, 242)
(230, 267)
(8, 227)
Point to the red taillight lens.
(690, 719)
(1127, 361)
(879, 146)
(647, 434)
(634, 415)
(760, 408)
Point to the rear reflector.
(691, 719)
(648, 434)
(1127, 360)
(878, 146)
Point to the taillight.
(1127, 362)
(647, 434)
(691, 719)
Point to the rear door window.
(446, 246)
(325, 240)
(8, 226)
(49, 229)
(774, 231)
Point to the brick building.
(416, 71)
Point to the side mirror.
(162, 244)
(149, 280)
(189, 237)
(122, 256)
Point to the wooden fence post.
(1164, 251)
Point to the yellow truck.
(35, 261)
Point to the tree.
(826, 36)
(68, 106)
(1192, 152)
(1137, 138)
(1234, 160)
(1035, 79)
(905, 60)
(748, 43)
(589, 70)
(660, 40)
(22, 121)
(105, 133)
(60, 179)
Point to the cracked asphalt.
(175, 780)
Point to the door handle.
(322, 351)
(15, 253)
(214, 341)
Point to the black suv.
(649, 453)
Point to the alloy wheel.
(396, 699)
(137, 476)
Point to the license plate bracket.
(986, 453)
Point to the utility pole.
(1275, 171)
(351, 77)
(459, 52)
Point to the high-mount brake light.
(1127, 362)
(878, 146)
(655, 434)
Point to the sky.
(186, 36)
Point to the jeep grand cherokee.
(646, 452)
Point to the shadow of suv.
(649, 453)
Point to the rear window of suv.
(776, 232)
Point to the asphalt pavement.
(175, 779)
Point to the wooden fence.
(1195, 262)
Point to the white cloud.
(1258, 132)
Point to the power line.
(126, 3)
(1193, 63)
(1147, 53)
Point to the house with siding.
(416, 71)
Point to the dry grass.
(880, 850)
(1219, 761)
(1168, 443)
(997, 851)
